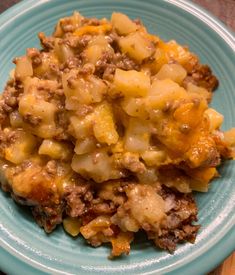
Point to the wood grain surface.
(225, 11)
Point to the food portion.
(107, 130)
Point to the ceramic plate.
(25, 248)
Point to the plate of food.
(117, 139)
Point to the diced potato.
(134, 107)
(229, 137)
(215, 118)
(55, 149)
(74, 20)
(97, 166)
(131, 83)
(39, 109)
(82, 127)
(16, 119)
(123, 24)
(85, 145)
(76, 93)
(153, 158)
(100, 40)
(148, 176)
(176, 52)
(94, 53)
(145, 195)
(30, 85)
(96, 225)
(22, 148)
(137, 136)
(72, 226)
(137, 46)
(97, 88)
(79, 90)
(175, 72)
(160, 58)
(193, 89)
(63, 51)
(163, 92)
(23, 67)
(104, 125)
(97, 47)
(48, 61)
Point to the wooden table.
(225, 11)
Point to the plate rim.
(212, 257)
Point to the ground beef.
(203, 77)
(51, 167)
(35, 55)
(106, 66)
(72, 63)
(132, 162)
(32, 120)
(47, 42)
(169, 238)
(90, 21)
(102, 207)
(77, 43)
(178, 225)
(48, 216)
(10, 98)
(78, 199)
(122, 61)
(200, 75)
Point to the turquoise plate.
(25, 248)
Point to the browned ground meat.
(200, 75)
(77, 199)
(178, 225)
(48, 217)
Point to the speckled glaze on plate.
(24, 247)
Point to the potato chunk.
(82, 127)
(163, 92)
(137, 46)
(122, 23)
(174, 72)
(85, 145)
(97, 166)
(131, 83)
(82, 90)
(200, 91)
(21, 148)
(97, 48)
(63, 51)
(134, 107)
(72, 226)
(23, 67)
(55, 149)
(137, 136)
(154, 157)
(104, 125)
(215, 118)
(41, 113)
